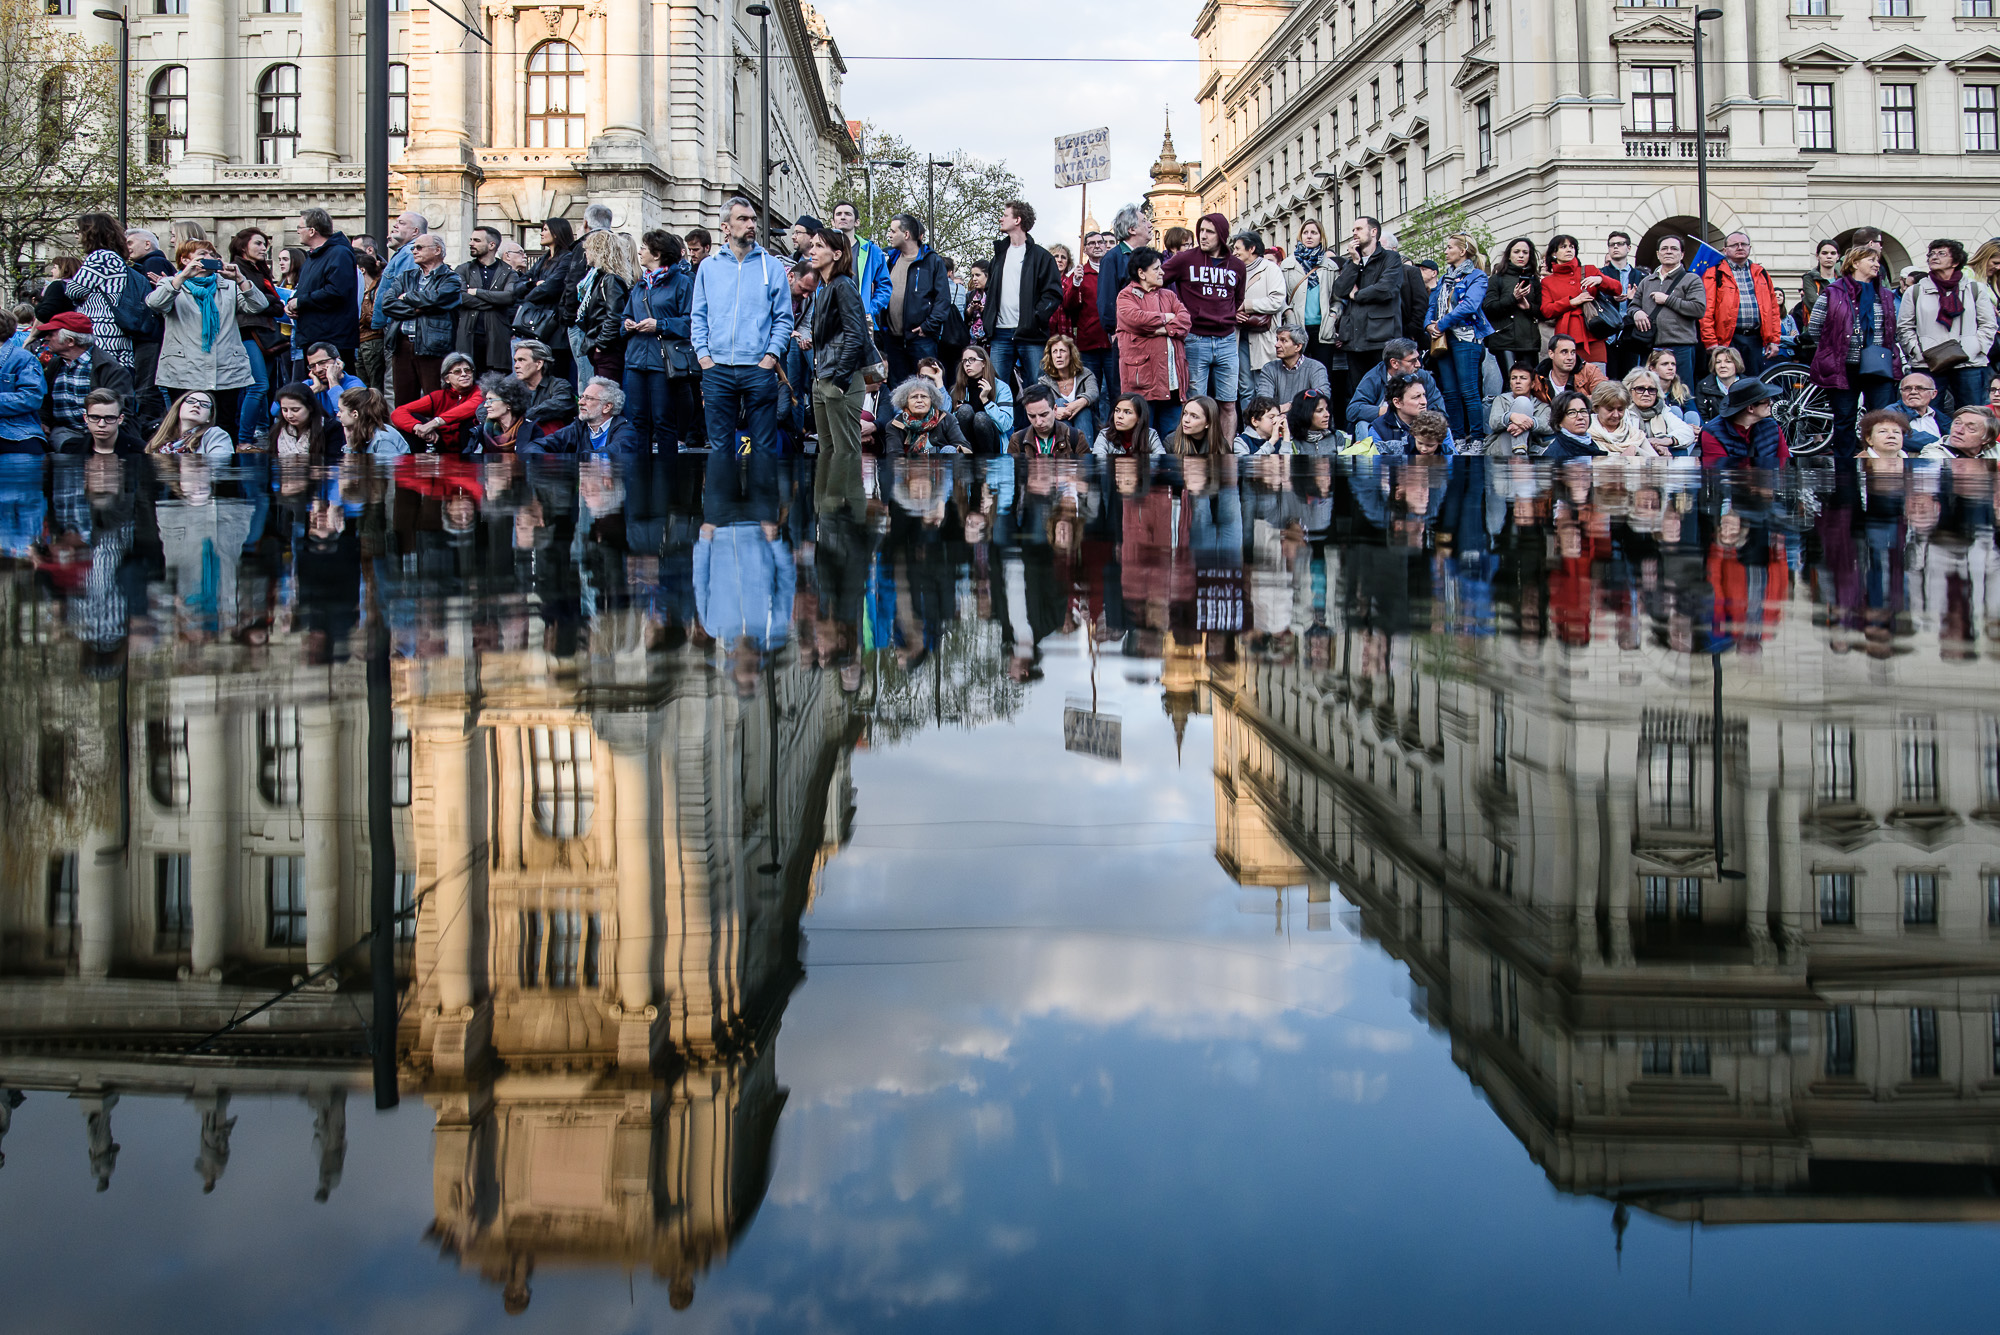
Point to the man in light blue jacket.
(742, 323)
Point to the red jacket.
(1080, 302)
(1157, 324)
(455, 408)
(1562, 285)
(1718, 323)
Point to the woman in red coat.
(1568, 285)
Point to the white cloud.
(1013, 106)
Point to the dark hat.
(810, 223)
(69, 322)
(1746, 393)
(1432, 265)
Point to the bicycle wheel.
(1802, 408)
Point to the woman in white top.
(189, 428)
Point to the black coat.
(329, 302)
(431, 301)
(839, 332)
(1041, 292)
(552, 283)
(1373, 291)
(602, 317)
(1514, 329)
(926, 292)
(496, 303)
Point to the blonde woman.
(1458, 316)
(599, 331)
(1663, 424)
(1725, 368)
(1076, 389)
(1665, 364)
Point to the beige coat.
(1263, 294)
(1295, 291)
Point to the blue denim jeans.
(1212, 367)
(651, 407)
(1687, 360)
(251, 418)
(904, 352)
(1166, 417)
(1015, 363)
(746, 392)
(1104, 365)
(1458, 377)
(1967, 385)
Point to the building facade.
(1579, 117)
(499, 114)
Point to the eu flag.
(1706, 257)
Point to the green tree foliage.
(59, 139)
(1422, 236)
(969, 195)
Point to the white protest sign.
(1083, 157)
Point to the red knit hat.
(69, 322)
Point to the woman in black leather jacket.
(837, 334)
(600, 309)
(548, 307)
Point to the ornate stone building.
(1579, 117)
(1171, 198)
(500, 113)
(1529, 828)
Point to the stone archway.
(1677, 208)
(1844, 219)
(1895, 255)
(1645, 250)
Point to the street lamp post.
(868, 166)
(117, 16)
(763, 16)
(1701, 16)
(931, 165)
(375, 141)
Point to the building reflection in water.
(1526, 822)
(602, 754)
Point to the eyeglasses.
(108, 419)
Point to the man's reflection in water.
(744, 575)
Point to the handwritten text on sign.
(1083, 157)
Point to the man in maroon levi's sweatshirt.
(1209, 282)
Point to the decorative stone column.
(627, 738)
(319, 81)
(209, 81)
(444, 173)
(319, 809)
(208, 842)
(97, 880)
(453, 900)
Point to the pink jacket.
(1152, 328)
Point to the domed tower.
(1171, 200)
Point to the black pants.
(1749, 344)
(740, 488)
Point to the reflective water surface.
(1190, 895)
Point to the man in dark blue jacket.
(919, 296)
(326, 304)
(1133, 229)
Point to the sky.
(1013, 105)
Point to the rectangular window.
(1399, 85)
(1486, 9)
(1671, 785)
(1923, 1043)
(1975, 9)
(1482, 114)
(1920, 760)
(281, 6)
(1809, 7)
(558, 948)
(1656, 1056)
(173, 907)
(1379, 198)
(1694, 1057)
(1899, 118)
(1402, 185)
(170, 6)
(1833, 763)
(1815, 108)
(1659, 898)
(1920, 899)
(1284, 164)
(1503, 870)
(61, 905)
(1374, 102)
(1836, 898)
(1990, 882)
(1317, 154)
(1894, 9)
(399, 760)
(1478, 30)
(1354, 117)
(406, 907)
(1687, 898)
(1423, 67)
(1653, 99)
(278, 756)
(285, 901)
(1499, 737)
(1982, 118)
(1840, 1041)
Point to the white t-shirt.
(1009, 316)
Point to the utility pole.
(375, 78)
(1701, 123)
(763, 13)
(931, 165)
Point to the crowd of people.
(1210, 341)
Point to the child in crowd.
(1263, 428)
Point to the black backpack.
(135, 317)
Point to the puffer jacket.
(663, 295)
(423, 306)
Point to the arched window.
(167, 116)
(278, 114)
(565, 782)
(555, 96)
(399, 110)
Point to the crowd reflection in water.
(1475, 696)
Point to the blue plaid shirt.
(1746, 295)
(71, 388)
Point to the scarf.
(1950, 304)
(1309, 258)
(202, 289)
(1629, 439)
(917, 435)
